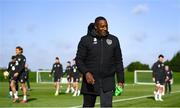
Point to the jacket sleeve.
(21, 65)
(119, 63)
(80, 56)
(61, 70)
(9, 67)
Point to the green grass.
(42, 95)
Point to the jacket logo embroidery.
(109, 41)
(13, 68)
(17, 63)
(94, 41)
(162, 64)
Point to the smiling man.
(98, 58)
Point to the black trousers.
(168, 85)
(105, 99)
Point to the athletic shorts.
(13, 78)
(76, 79)
(22, 78)
(69, 78)
(57, 79)
(159, 81)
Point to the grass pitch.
(42, 95)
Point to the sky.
(49, 28)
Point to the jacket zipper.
(101, 52)
(101, 62)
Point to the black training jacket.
(102, 57)
(158, 70)
(11, 68)
(57, 69)
(20, 64)
(69, 71)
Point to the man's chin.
(103, 34)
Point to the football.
(6, 73)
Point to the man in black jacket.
(27, 76)
(11, 70)
(69, 72)
(159, 77)
(19, 74)
(169, 79)
(57, 69)
(98, 58)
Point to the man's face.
(73, 62)
(57, 61)
(101, 27)
(18, 51)
(68, 64)
(161, 59)
(14, 60)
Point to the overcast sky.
(50, 28)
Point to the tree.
(175, 62)
(137, 66)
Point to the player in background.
(19, 74)
(159, 77)
(10, 69)
(57, 69)
(69, 72)
(76, 79)
(169, 79)
(27, 76)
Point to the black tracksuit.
(76, 74)
(168, 82)
(57, 69)
(102, 57)
(158, 72)
(27, 77)
(69, 71)
(11, 70)
(20, 68)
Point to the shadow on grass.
(150, 97)
(32, 99)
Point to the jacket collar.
(94, 34)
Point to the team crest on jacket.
(17, 63)
(13, 68)
(94, 41)
(162, 64)
(109, 41)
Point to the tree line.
(174, 64)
